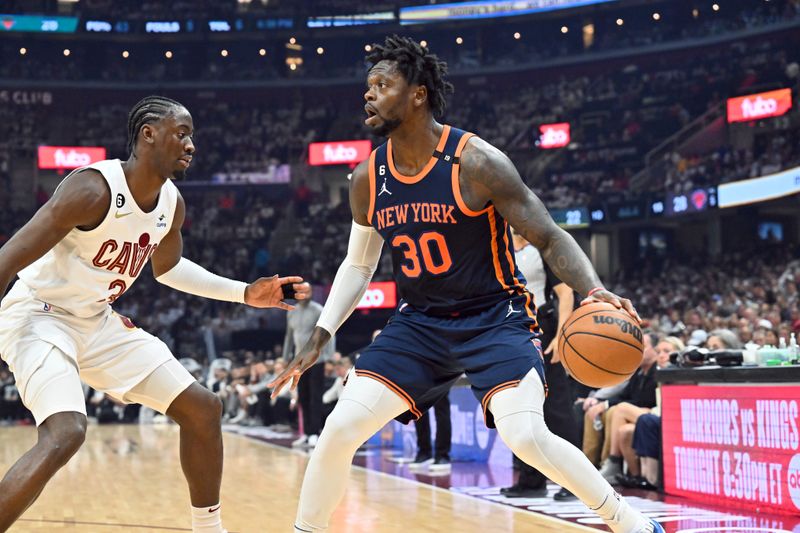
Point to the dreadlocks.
(146, 111)
(418, 66)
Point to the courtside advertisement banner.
(733, 445)
(486, 9)
(760, 189)
(338, 153)
(379, 295)
(553, 135)
(758, 106)
(69, 157)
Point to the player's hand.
(302, 362)
(553, 348)
(616, 301)
(269, 292)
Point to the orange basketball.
(600, 345)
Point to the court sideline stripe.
(546, 518)
(110, 524)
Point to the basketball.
(601, 345)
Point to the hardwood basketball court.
(128, 478)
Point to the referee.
(555, 302)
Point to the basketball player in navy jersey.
(74, 258)
(443, 200)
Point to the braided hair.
(148, 110)
(418, 66)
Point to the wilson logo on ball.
(624, 326)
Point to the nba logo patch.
(47, 307)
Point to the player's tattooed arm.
(488, 175)
(82, 201)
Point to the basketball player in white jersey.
(80, 252)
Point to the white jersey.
(87, 270)
(531, 264)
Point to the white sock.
(207, 519)
(621, 517)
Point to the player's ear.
(148, 133)
(420, 96)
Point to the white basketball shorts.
(50, 351)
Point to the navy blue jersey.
(447, 258)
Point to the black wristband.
(288, 291)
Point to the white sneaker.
(300, 442)
(610, 470)
(312, 441)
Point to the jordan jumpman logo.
(384, 189)
(511, 310)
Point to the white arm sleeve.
(190, 277)
(352, 278)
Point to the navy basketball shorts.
(420, 357)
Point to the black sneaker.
(421, 461)
(521, 491)
(440, 464)
(564, 495)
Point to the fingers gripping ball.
(601, 345)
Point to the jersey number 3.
(427, 241)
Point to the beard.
(179, 175)
(387, 127)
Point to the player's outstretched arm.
(174, 270)
(82, 201)
(349, 285)
(488, 175)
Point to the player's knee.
(197, 408)
(343, 429)
(524, 431)
(63, 436)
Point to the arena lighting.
(23, 51)
(168, 54)
(292, 66)
(459, 40)
(564, 29)
(223, 53)
(368, 47)
(423, 43)
(125, 54)
(695, 13)
(715, 7)
(620, 22)
(292, 41)
(262, 52)
(66, 52)
(517, 35)
(320, 50)
(656, 16)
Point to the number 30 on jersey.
(433, 249)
